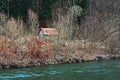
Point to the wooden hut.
(48, 33)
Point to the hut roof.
(49, 31)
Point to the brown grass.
(7, 46)
(35, 50)
(18, 44)
(38, 48)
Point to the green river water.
(103, 70)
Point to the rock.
(0, 67)
(99, 58)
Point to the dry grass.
(33, 22)
(38, 48)
(62, 26)
(20, 43)
(7, 46)
(75, 50)
(33, 48)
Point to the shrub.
(7, 47)
(37, 49)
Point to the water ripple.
(19, 76)
(85, 71)
(101, 71)
(53, 72)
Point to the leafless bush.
(101, 25)
(33, 22)
(37, 48)
(7, 47)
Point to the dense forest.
(44, 12)
(49, 11)
(43, 8)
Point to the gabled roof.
(49, 31)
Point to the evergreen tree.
(19, 8)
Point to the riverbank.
(80, 51)
(71, 59)
(86, 58)
(35, 52)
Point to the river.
(102, 70)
